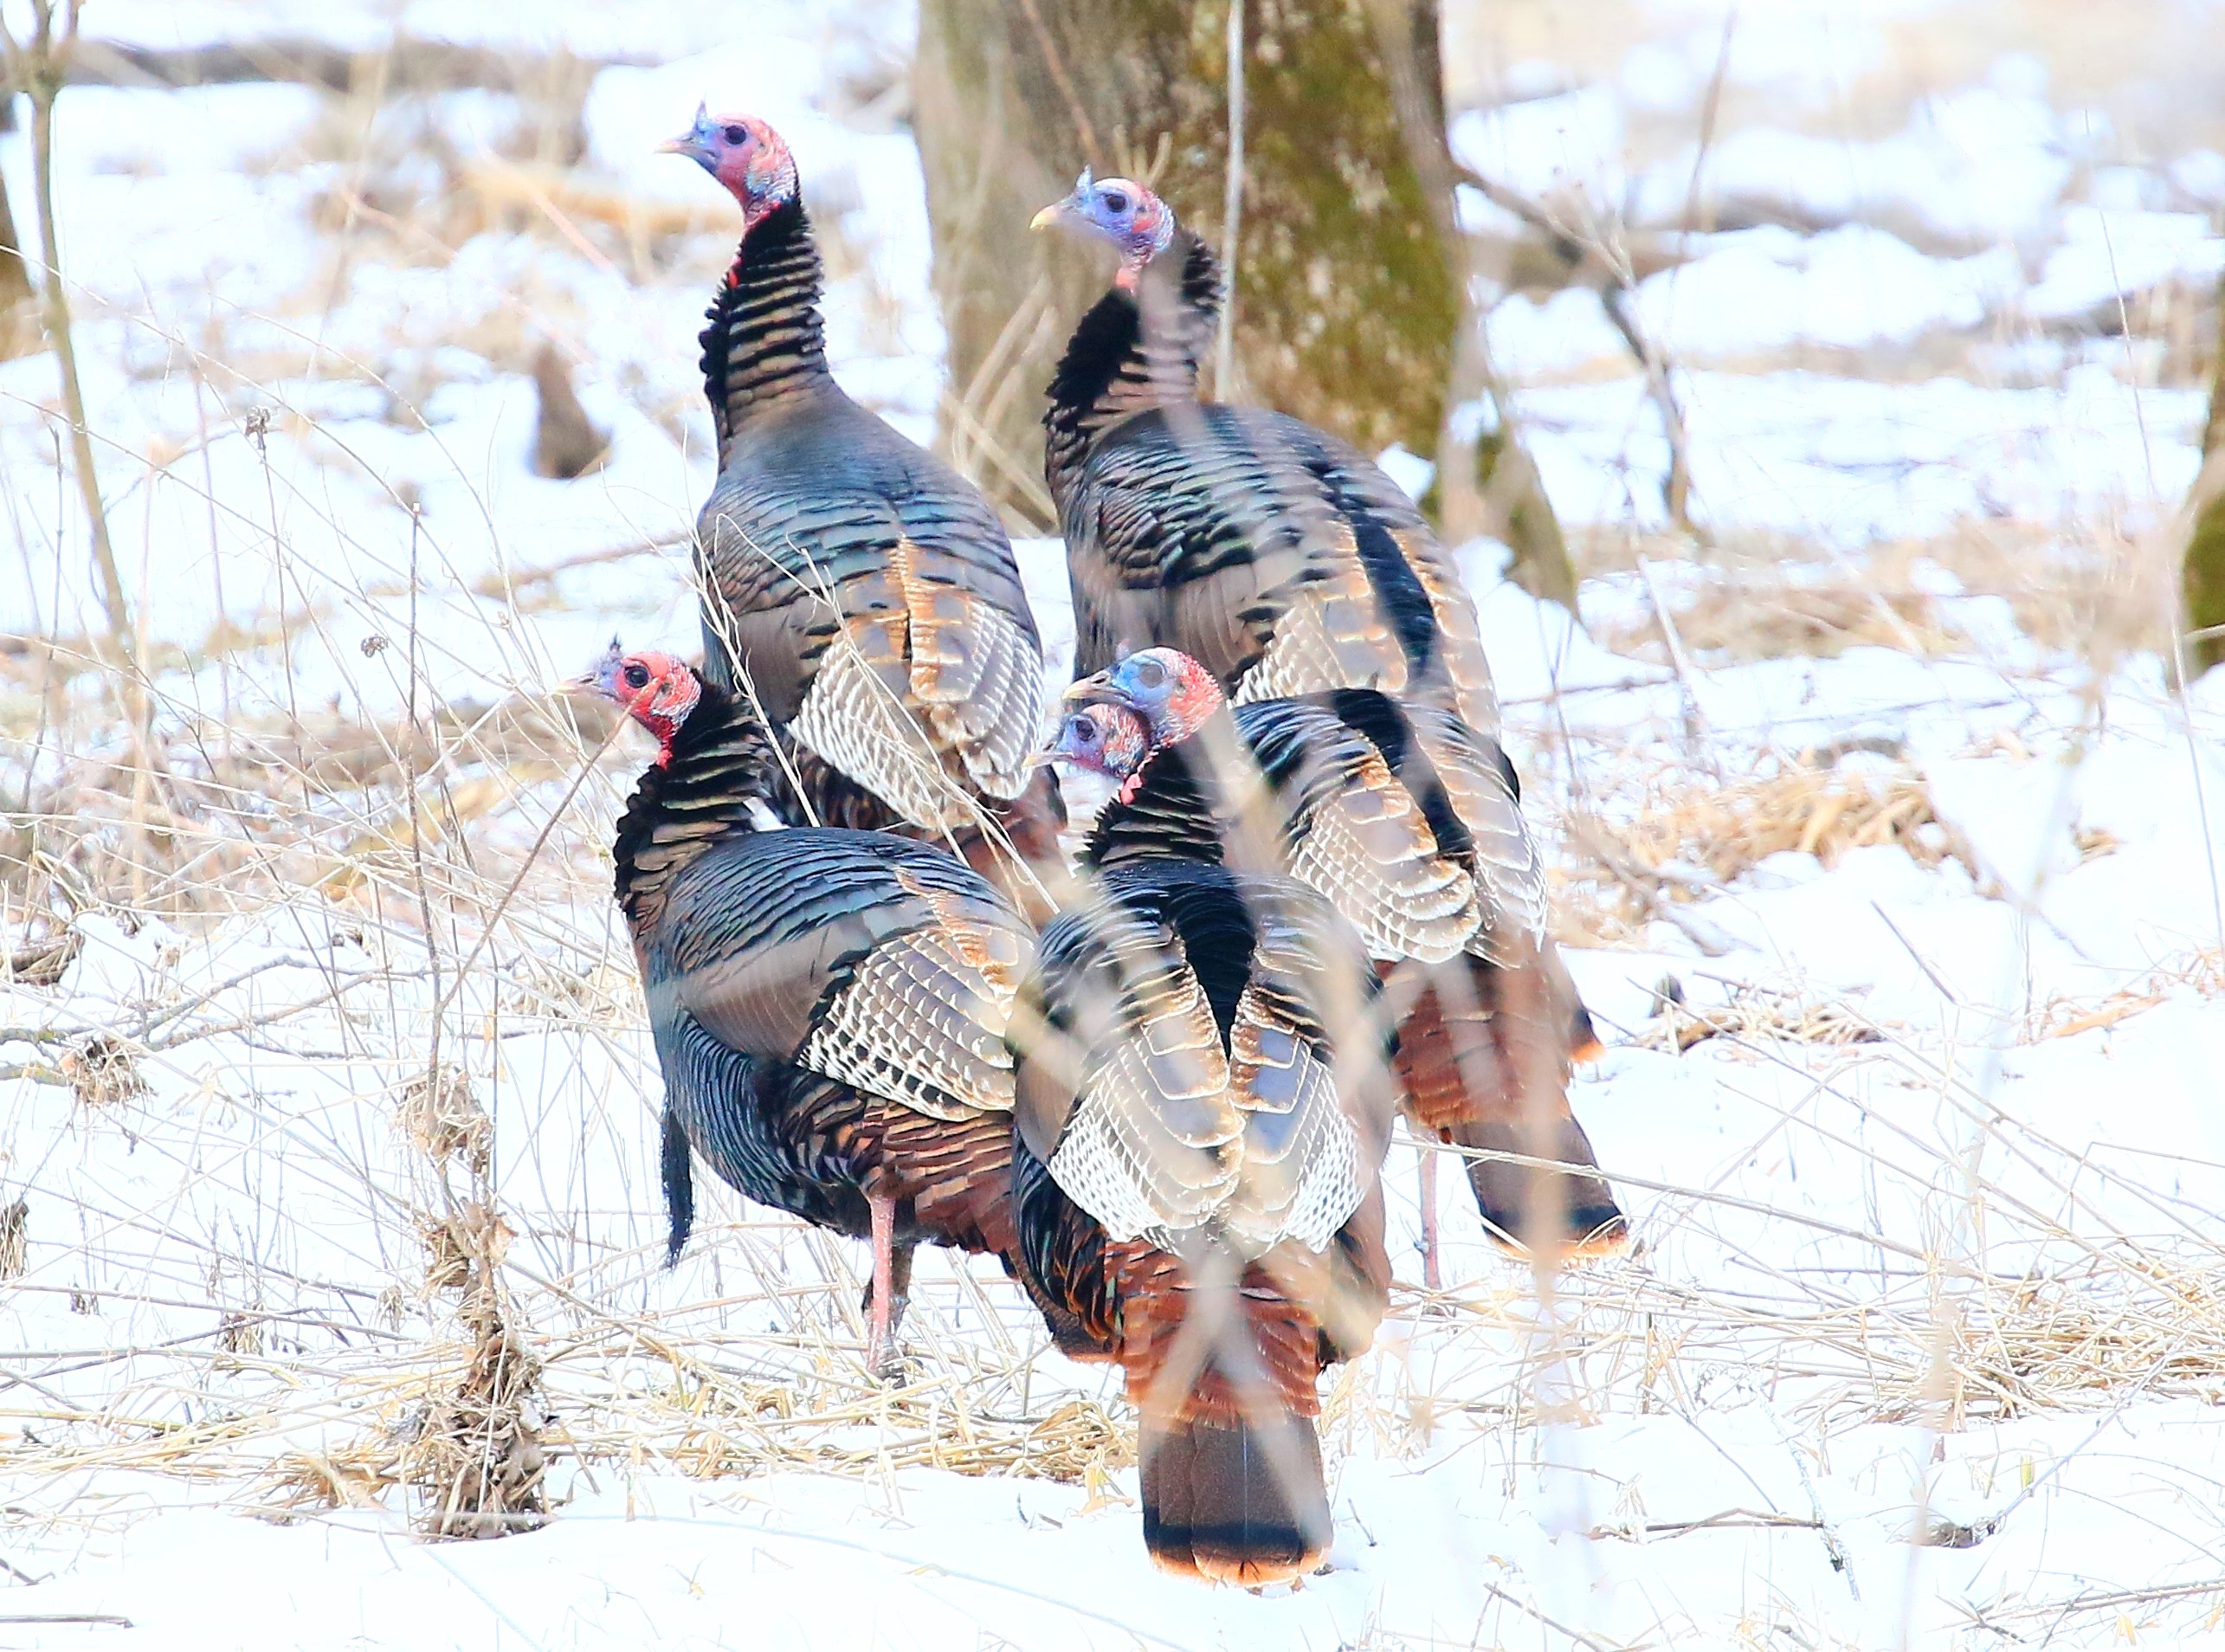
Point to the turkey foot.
(891, 1289)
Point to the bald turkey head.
(1168, 690)
(1106, 738)
(744, 154)
(657, 690)
(1137, 224)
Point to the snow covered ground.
(1928, 1230)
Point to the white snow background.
(1923, 1339)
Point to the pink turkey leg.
(878, 1351)
(1431, 1275)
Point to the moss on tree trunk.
(1347, 301)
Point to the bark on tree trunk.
(1347, 269)
(15, 293)
(2202, 575)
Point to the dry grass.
(443, 1120)
(1684, 837)
(2200, 972)
(1757, 1014)
(100, 1070)
(2093, 595)
(2083, 1338)
(250, 810)
(14, 1219)
(455, 1416)
(1741, 617)
(475, 1461)
(455, 1365)
(357, 1477)
(1728, 828)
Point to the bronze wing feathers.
(882, 964)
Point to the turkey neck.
(765, 342)
(1131, 352)
(1201, 798)
(720, 763)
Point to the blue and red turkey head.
(657, 690)
(743, 153)
(1126, 214)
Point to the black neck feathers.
(721, 762)
(1134, 351)
(1195, 799)
(1168, 815)
(766, 339)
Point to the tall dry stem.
(38, 64)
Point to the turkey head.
(1125, 213)
(743, 153)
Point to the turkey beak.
(1049, 217)
(599, 680)
(1098, 690)
(694, 143)
(689, 145)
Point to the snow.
(1728, 1438)
(1850, 462)
(2107, 253)
(1849, 287)
(1546, 146)
(1985, 163)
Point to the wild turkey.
(1276, 554)
(1410, 823)
(1202, 1114)
(867, 591)
(829, 1007)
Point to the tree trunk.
(1347, 268)
(15, 293)
(2201, 576)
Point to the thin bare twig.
(1232, 210)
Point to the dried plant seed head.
(102, 1069)
(15, 1238)
(440, 1114)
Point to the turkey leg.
(1432, 1276)
(891, 1289)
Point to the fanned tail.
(1469, 1058)
(1514, 1199)
(1236, 1500)
(1232, 1484)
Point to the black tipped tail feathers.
(1520, 1202)
(1241, 1502)
(679, 1188)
